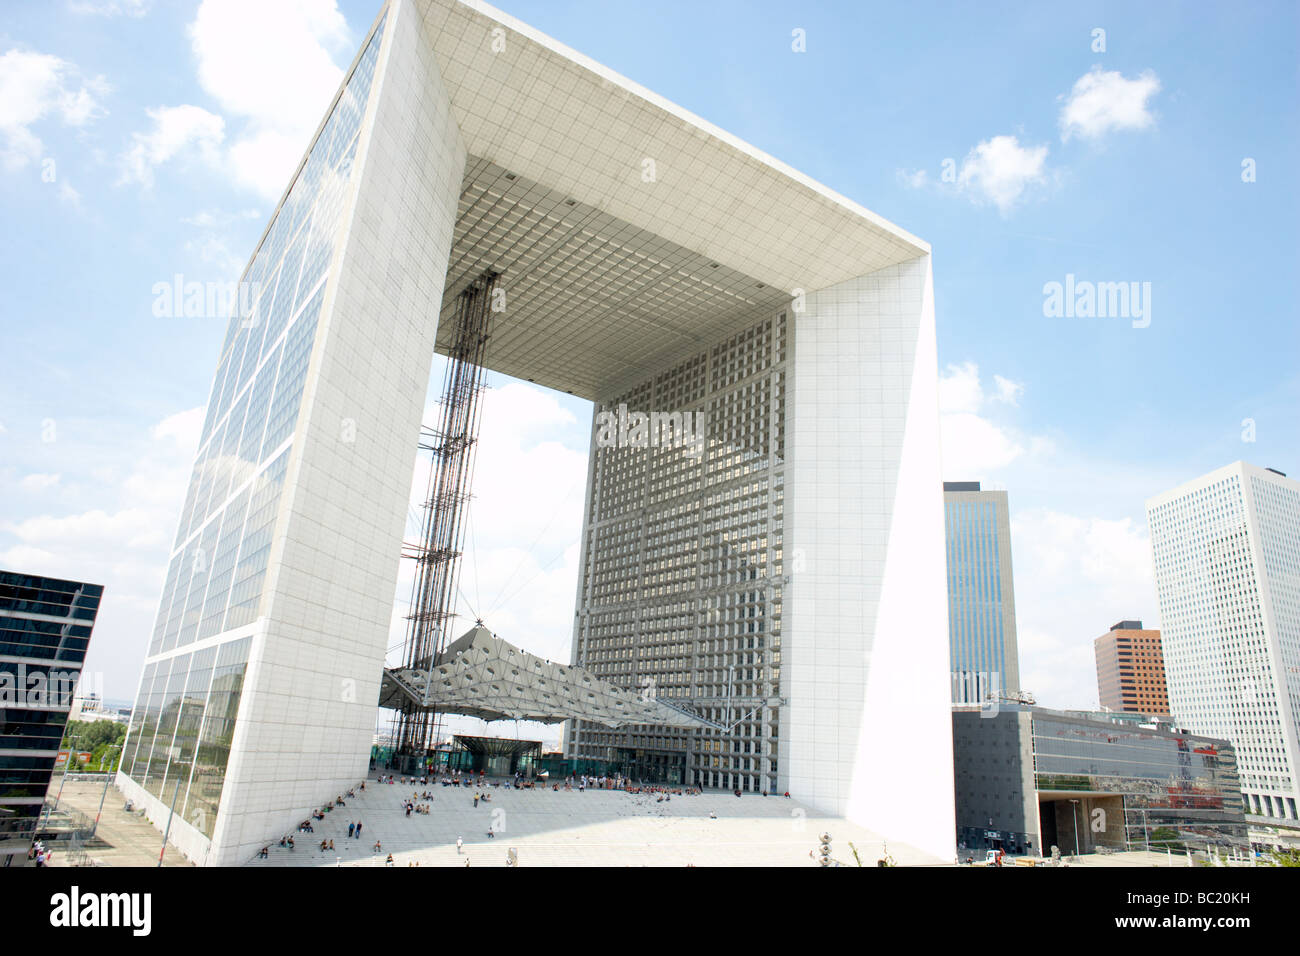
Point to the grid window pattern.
(681, 589)
(1224, 549)
(591, 301)
(1131, 671)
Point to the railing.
(77, 853)
(66, 820)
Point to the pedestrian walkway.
(121, 839)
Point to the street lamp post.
(104, 795)
(175, 793)
(1074, 816)
(62, 780)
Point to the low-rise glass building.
(1028, 779)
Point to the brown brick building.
(1131, 670)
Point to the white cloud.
(38, 481)
(1008, 392)
(959, 389)
(183, 428)
(121, 538)
(1101, 102)
(214, 251)
(34, 86)
(212, 245)
(913, 178)
(289, 53)
(974, 445)
(111, 8)
(1000, 171)
(1074, 577)
(176, 129)
(217, 218)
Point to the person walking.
(358, 829)
(351, 827)
(459, 843)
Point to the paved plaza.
(546, 828)
(594, 827)
(121, 839)
(573, 828)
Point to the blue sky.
(140, 140)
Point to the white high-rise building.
(1226, 548)
(784, 573)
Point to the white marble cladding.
(308, 710)
(867, 731)
(313, 681)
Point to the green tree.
(1282, 858)
(93, 734)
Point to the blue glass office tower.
(981, 599)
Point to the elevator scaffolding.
(437, 554)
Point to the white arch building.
(785, 575)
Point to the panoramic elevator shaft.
(437, 554)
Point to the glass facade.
(179, 740)
(186, 707)
(214, 581)
(45, 626)
(680, 593)
(1029, 779)
(1172, 783)
(981, 621)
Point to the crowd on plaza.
(420, 800)
(354, 826)
(412, 807)
(40, 853)
(580, 782)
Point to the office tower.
(1226, 549)
(981, 596)
(784, 573)
(1131, 670)
(45, 626)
